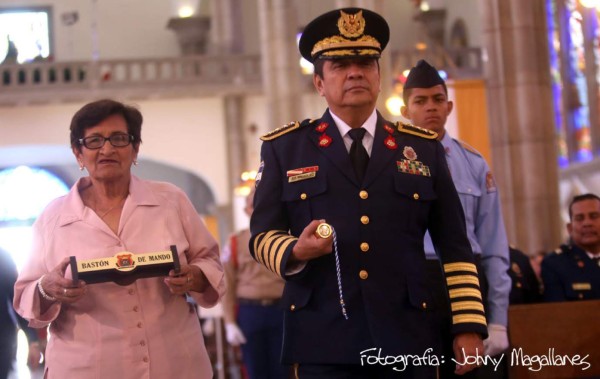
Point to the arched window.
(24, 193)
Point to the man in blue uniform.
(572, 272)
(427, 105)
(356, 298)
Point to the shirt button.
(363, 274)
(424, 305)
(292, 307)
(139, 324)
(364, 247)
(142, 343)
(303, 196)
(416, 196)
(131, 291)
(364, 220)
(518, 285)
(145, 359)
(135, 309)
(363, 194)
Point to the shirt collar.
(447, 142)
(139, 194)
(369, 124)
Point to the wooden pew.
(553, 331)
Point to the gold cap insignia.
(351, 25)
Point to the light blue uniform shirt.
(485, 228)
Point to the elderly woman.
(142, 330)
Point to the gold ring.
(324, 230)
(64, 291)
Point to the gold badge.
(351, 25)
(324, 230)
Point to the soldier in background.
(525, 285)
(427, 105)
(572, 272)
(253, 316)
(10, 321)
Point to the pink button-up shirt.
(135, 331)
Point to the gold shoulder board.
(468, 147)
(415, 130)
(280, 131)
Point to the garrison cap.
(345, 33)
(423, 75)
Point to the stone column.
(280, 61)
(227, 39)
(226, 27)
(521, 121)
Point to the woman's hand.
(190, 278)
(62, 289)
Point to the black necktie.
(358, 153)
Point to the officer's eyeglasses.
(96, 142)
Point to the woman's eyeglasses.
(96, 142)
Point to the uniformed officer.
(356, 297)
(525, 285)
(427, 105)
(572, 272)
(253, 316)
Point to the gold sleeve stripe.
(270, 249)
(459, 319)
(257, 242)
(276, 251)
(261, 247)
(280, 256)
(460, 266)
(462, 279)
(467, 305)
(465, 292)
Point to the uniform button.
(131, 291)
(518, 285)
(303, 196)
(580, 296)
(139, 324)
(363, 194)
(145, 359)
(363, 274)
(135, 309)
(364, 247)
(364, 220)
(416, 196)
(292, 307)
(142, 343)
(424, 305)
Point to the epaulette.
(416, 130)
(284, 130)
(468, 147)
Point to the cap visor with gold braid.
(345, 33)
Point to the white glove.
(234, 335)
(497, 340)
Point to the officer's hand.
(310, 245)
(233, 334)
(467, 346)
(497, 340)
